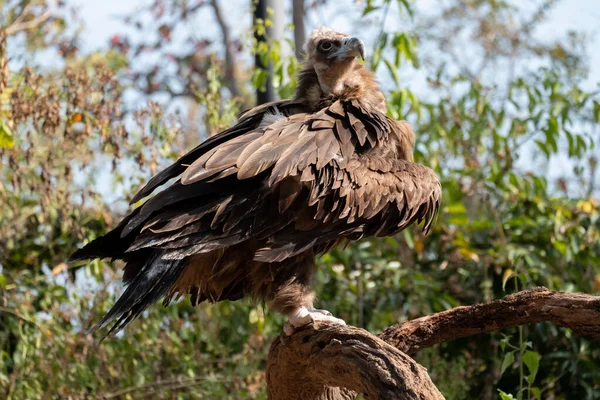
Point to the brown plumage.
(254, 205)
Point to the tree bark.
(298, 14)
(268, 94)
(336, 362)
(230, 61)
(578, 311)
(3, 62)
(332, 362)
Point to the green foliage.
(505, 225)
(6, 137)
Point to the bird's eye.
(325, 46)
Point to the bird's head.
(332, 69)
(326, 48)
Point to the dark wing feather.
(249, 120)
(375, 202)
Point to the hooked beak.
(351, 47)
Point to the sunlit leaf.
(508, 273)
(6, 136)
(506, 396)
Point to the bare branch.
(578, 311)
(230, 78)
(21, 25)
(23, 14)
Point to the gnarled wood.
(332, 362)
(316, 361)
(578, 311)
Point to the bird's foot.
(304, 316)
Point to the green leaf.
(259, 79)
(369, 8)
(504, 342)
(6, 136)
(393, 71)
(399, 43)
(457, 208)
(375, 59)
(532, 361)
(409, 239)
(560, 246)
(407, 7)
(505, 396)
(2, 281)
(509, 359)
(597, 111)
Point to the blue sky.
(101, 20)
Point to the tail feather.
(110, 245)
(152, 283)
(106, 246)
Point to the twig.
(19, 316)
(176, 383)
(17, 27)
(23, 14)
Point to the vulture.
(251, 207)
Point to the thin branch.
(230, 78)
(23, 14)
(23, 26)
(577, 311)
(176, 383)
(19, 316)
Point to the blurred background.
(96, 96)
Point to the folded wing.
(302, 181)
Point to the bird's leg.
(294, 298)
(303, 315)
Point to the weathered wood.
(578, 311)
(332, 362)
(316, 361)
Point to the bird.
(252, 207)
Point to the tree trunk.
(298, 13)
(3, 62)
(268, 94)
(336, 362)
(333, 362)
(230, 61)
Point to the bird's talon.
(305, 316)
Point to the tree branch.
(332, 362)
(230, 78)
(578, 311)
(19, 25)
